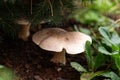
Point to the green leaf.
(100, 59)
(115, 48)
(7, 74)
(84, 30)
(104, 51)
(117, 60)
(78, 67)
(76, 28)
(1, 66)
(109, 38)
(89, 55)
(100, 5)
(115, 39)
(104, 32)
(87, 16)
(90, 75)
(111, 75)
(105, 41)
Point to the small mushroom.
(24, 29)
(61, 41)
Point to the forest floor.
(30, 62)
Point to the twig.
(51, 7)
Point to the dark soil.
(32, 63)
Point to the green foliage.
(99, 61)
(117, 60)
(93, 64)
(103, 57)
(85, 74)
(104, 6)
(89, 56)
(90, 75)
(111, 75)
(91, 17)
(6, 74)
(96, 13)
(81, 29)
(78, 67)
(110, 40)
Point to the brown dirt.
(32, 63)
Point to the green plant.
(94, 62)
(99, 5)
(110, 45)
(97, 13)
(91, 17)
(6, 73)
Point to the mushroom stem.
(59, 57)
(24, 32)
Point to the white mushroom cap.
(57, 39)
(76, 42)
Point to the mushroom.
(24, 28)
(61, 41)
